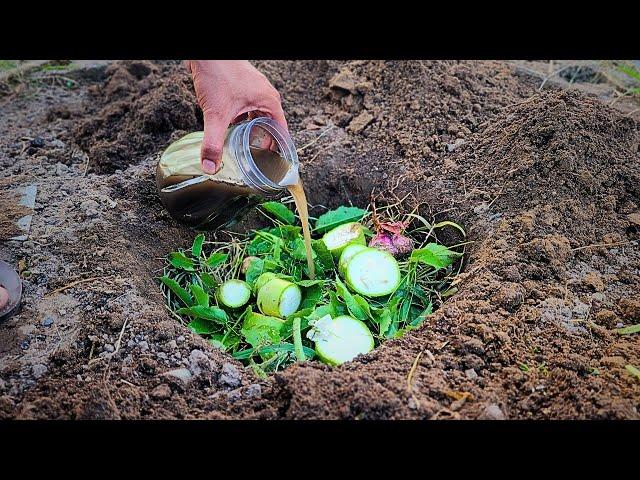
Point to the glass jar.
(259, 161)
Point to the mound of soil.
(546, 185)
(140, 104)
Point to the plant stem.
(297, 340)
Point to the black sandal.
(11, 282)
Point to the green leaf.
(279, 211)
(213, 314)
(260, 330)
(216, 259)
(285, 232)
(323, 255)
(276, 348)
(255, 269)
(364, 305)
(202, 327)
(629, 330)
(309, 283)
(196, 248)
(298, 250)
(208, 281)
(339, 216)
(202, 297)
(180, 292)
(311, 295)
(386, 317)
(630, 71)
(352, 304)
(422, 316)
(435, 255)
(180, 260)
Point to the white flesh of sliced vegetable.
(341, 236)
(279, 298)
(372, 273)
(347, 254)
(344, 339)
(234, 293)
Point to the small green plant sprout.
(251, 296)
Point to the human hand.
(229, 91)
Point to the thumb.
(215, 129)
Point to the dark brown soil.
(546, 185)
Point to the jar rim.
(284, 141)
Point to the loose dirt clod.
(556, 173)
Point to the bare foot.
(4, 297)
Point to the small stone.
(182, 374)
(89, 205)
(361, 122)
(593, 281)
(598, 297)
(161, 392)
(180, 338)
(471, 374)
(39, 370)
(144, 345)
(61, 169)
(109, 348)
(57, 143)
(25, 344)
(253, 390)
(47, 322)
(343, 80)
(198, 361)
(493, 412)
(172, 345)
(3, 384)
(230, 376)
(233, 396)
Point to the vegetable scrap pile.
(379, 273)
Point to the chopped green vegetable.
(234, 293)
(341, 339)
(337, 239)
(279, 298)
(348, 252)
(373, 273)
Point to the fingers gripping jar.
(259, 160)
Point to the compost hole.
(251, 318)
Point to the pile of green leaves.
(190, 279)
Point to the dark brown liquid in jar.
(219, 200)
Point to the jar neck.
(240, 146)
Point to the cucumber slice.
(373, 273)
(262, 279)
(344, 339)
(338, 238)
(347, 254)
(233, 293)
(279, 298)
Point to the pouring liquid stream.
(273, 166)
(300, 199)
